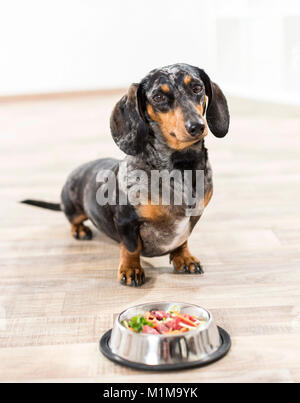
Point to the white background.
(252, 47)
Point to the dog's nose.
(195, 128)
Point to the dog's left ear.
(128, 127)
(217, 113)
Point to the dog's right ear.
(128, 127)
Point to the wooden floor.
(58, 295)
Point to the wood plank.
(58, 295)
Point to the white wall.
(258, 48)
(251, 46)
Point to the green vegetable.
(174, 308)
(125, 323)
(138, 322)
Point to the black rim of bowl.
(217, 355)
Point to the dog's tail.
(42, 204)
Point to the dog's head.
(171, 103)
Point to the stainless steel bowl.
(198, 347)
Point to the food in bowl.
(163, 322)
(161, 351)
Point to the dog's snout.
(195, 128)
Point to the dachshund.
(160, 124)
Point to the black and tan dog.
(160, 124)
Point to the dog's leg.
(75, 214)
(184, 262)
(79, 230)
(130, 271)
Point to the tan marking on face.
(208, 196)
(187, 80)
(200, 109)
(204, 104)
(172, 122)
(165, 88)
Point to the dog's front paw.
(186, 263)
(132, 275)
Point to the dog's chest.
(164, 231)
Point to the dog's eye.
(159, 98)
(197, 89)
